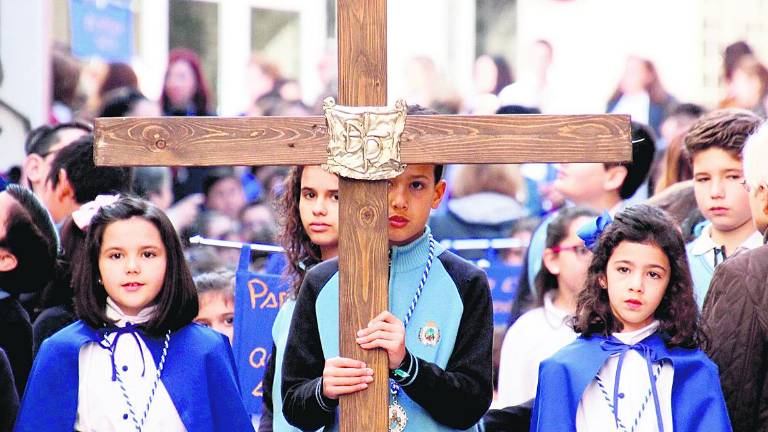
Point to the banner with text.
(258, 298)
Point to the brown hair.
(679, 200)
(656, 91)
(119, 75)
(299, 249)
(675, 166)
(504, 179)
(219, 282)
(726, 129)
(677, 313)
(201, 98)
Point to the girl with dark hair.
(310, 235)
(636, 365)
(185, 91)
(166, 373)
(541, 332)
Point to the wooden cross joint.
(365, 141)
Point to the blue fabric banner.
(102, 29)
(258, 298)
(503, 280)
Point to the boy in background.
(714, 145)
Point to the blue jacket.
(199, 375)
(697, 399)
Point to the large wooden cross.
(440, 139)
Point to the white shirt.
(637, 105)
(101, 406)
(533, 338)
(594, 413)
(704, 245)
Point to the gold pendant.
(397, 417)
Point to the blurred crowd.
(238, 203)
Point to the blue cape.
(199, 376)
(697, 398)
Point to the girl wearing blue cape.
(134, 361)
(636, 365)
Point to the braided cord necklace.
(139, 422)
(607, 399)
(397, 415)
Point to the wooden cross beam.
(196, 141)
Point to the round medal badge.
(429, 335)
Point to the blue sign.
(258, 298)
(503, 280)
(102, 29)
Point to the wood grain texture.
(516, 139)
(362, 41)
(210, 141)
(363, 289)
(363, 239)
(303, 140)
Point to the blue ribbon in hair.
(590, 233)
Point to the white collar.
(121, 318)
(633, 337)
(704, 244)
(553, 315)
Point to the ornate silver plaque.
(364, 141)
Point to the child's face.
(319, 207)
(571, 263)
(636, 278)
(132, 263)
(720, 196)
(581, 182)
(226, 197)
(412, 195)
(217, 311)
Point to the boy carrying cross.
(437, 332)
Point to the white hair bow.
(82, 216)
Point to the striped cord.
(423, 281)
(636, 422)
(394, 387)
(140, 423)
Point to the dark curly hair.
(300, 252)
(677, 313)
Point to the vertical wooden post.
(363, 243)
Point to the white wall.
(443, 30)
(151, 54)
(25, 55)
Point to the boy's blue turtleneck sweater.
(449, 387)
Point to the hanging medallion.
(397, 417)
